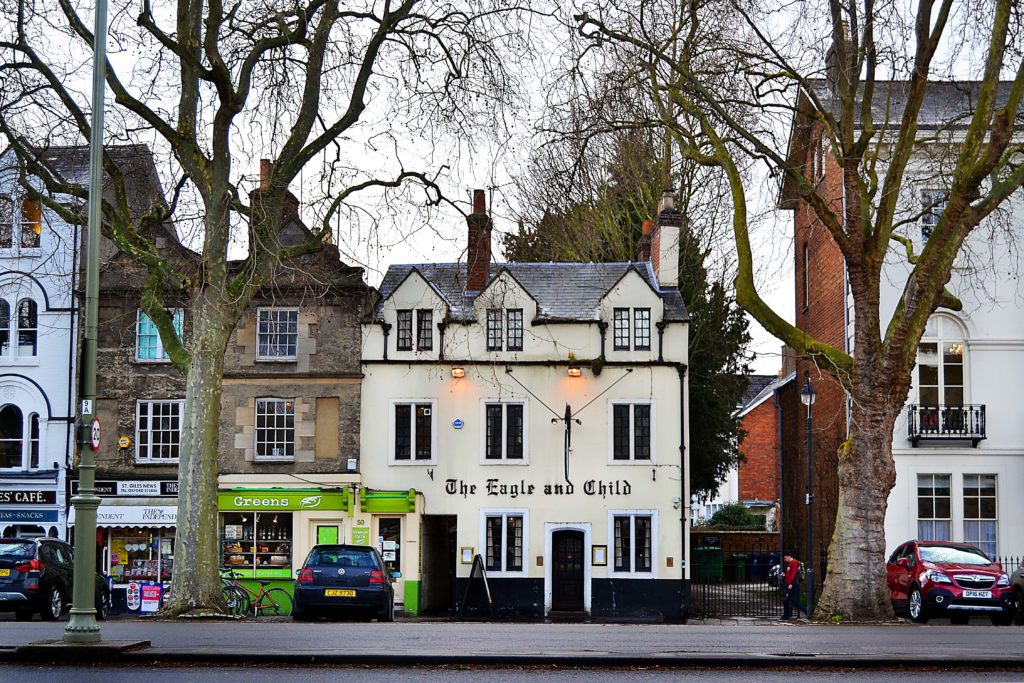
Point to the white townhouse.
(959, 441)
(527, 422)
(38, 354)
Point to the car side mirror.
(903, 562)
(396, 575)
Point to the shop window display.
(141, 555)
(260, 542)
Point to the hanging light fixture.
(458, 372)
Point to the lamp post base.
(82, 627)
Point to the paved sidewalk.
(410, 643)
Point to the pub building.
(536, 413)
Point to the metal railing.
(942, 422)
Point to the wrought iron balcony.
(946, 423)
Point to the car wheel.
(1018, 607)
(915, 606)
(387, 614)
(54, 605)
(23, 615)
(101, 607)
(1003, 619)
(960, 620)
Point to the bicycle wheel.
(237, 600)
(274, 603)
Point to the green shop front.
(388, 521)
(266, 533)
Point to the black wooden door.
(567, 571)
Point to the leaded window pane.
(620, 329)
(403, 431)
(642, 328)
(494, 329)
(403, 335)
(515, 329)
(622, 543)
(641, 432)
(642, 544)
(514, 431)
(424, 329)
(494, 432)
(620, 431)
(424, 441)
(514, 543)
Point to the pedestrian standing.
(791, 580)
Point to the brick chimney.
(478, 258)
(664, 246)
(266, 170)
(643, 247)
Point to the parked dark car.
(37, 575)
(941, 579)
(344, 579)
(1017, 584)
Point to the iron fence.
(736, 582)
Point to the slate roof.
(755, 385)
(946, 104)
(563, 291)
(766, 385)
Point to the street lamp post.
(82, 626)
(807, 397)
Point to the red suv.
(936, 578)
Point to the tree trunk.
(197, 587)
(856, 589)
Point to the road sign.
(95, 434)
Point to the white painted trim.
(655, 556)
(141, 460)
(504, 442)
(632, 443)
(412, 461)
(482, 540)
(549, 560)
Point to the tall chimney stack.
(478, 258)
(664, 247)
(266, 170)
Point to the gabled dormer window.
(424, 329)
(504, 329)
(631, 329)
(404, 332)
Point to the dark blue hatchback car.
(37, 575)
(344, 579)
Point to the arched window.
(940, 363)
(5, 328)
(12, 429)
(6, 222)
(33, 441)
(28, 327)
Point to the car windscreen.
(953, 554)
(341, 557)
(18, 549)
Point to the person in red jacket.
(791, 580)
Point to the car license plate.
(5, 572)
(977, 594)
(339, 593)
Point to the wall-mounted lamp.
(574, 371)
(458, 373)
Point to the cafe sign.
(282, 499)
(24, 497)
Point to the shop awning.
(132, 515)
(282, 500)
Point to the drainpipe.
(782, 478)
(661, 340)
(602, 327)
(441, 327)
(386, 329)
(684, 495)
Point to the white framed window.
(412, 432)
(631, 431)
(275, 429)
(981, 518)
(22, 228)
(504, 536)
(28, 328)
(634, 535)
(940, 363)
(148, 346)
(933, 203)
(504, 437)
(158, 430)
(514, 318)
(277, 334)
(31, 224)
(620, 329)
(642, 329)
(495, 330)
(16, 451)
(934, 514)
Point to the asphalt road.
(411, 639)
(466, 674)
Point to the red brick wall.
(759, 474)
(823, 318)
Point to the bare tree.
(304, 82)
(868, 112)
